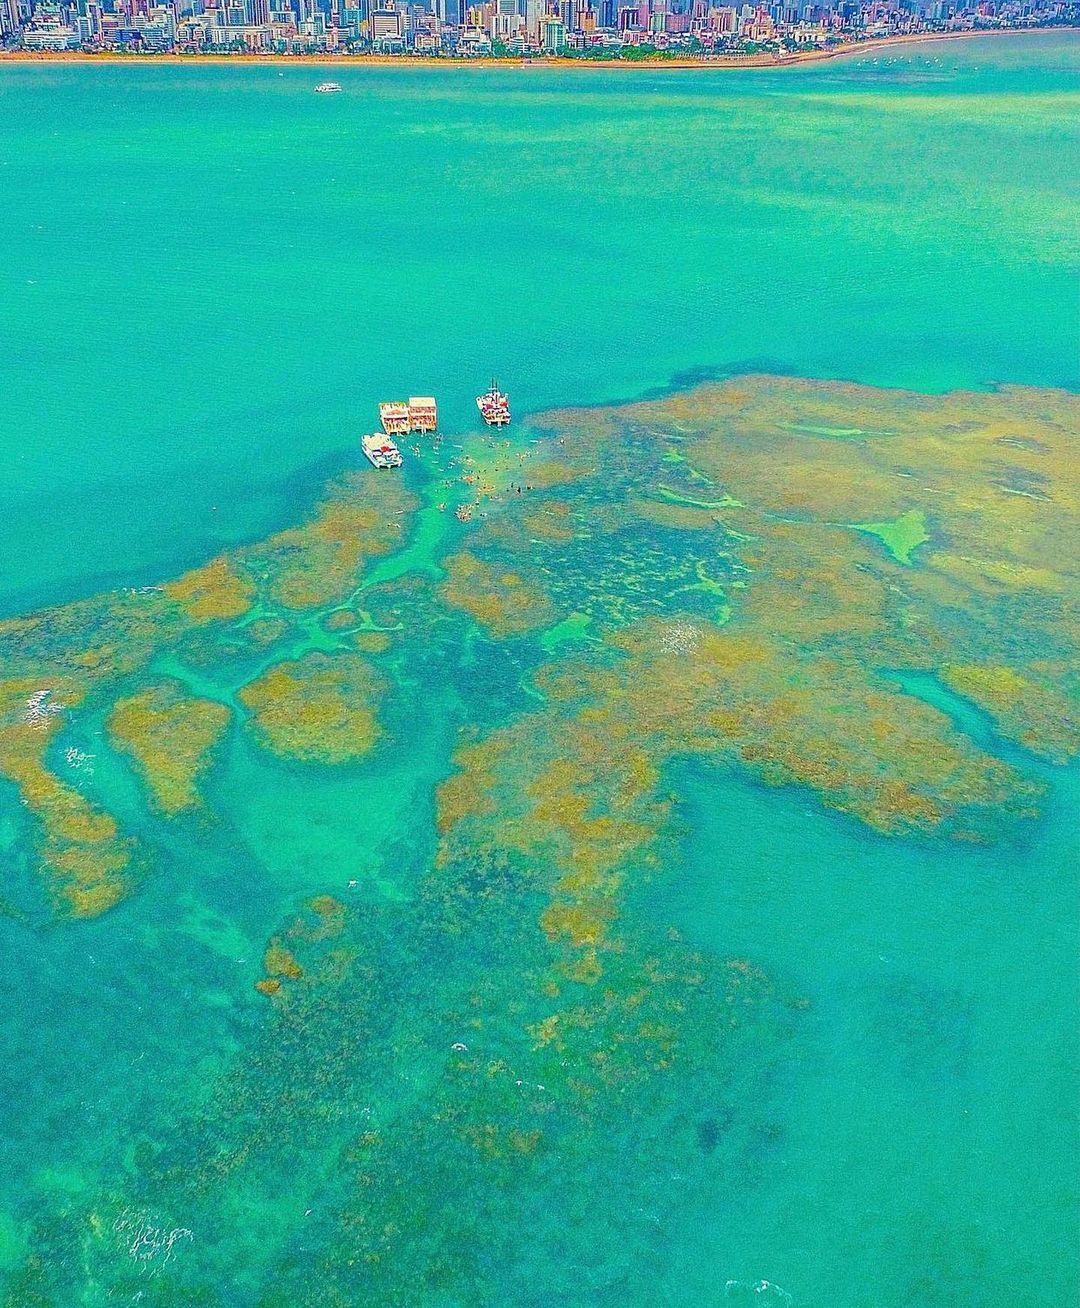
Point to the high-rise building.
(87, 20)
(386, 25)
(505, 20)
(554, 35)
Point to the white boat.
(328, 88)
(381, 451)
(494, 406)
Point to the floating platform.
(394, 416)
(423, 413)
(398, 418)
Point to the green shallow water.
(208, 278)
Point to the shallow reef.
(170, 737)
(324, 558)
(214, 592)
(87, 863)
(756, 566)
(1039, 709)
(67, 663)
(498, 599)
(855, 531)
(860, 595)
(318, 709)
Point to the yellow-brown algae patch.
(265, 631)
(550, 521)
(991, 576)
(469, 791)
(498, 599)
(676, 517)
(372, 642)
(993, 475)
(279, 962)
(571, 802)
(94, 884)
(545, 473)
(324, 559)
(834, 452)
(87, 641)
(318, 709)
(813, 584)
(171, 738)
(86, 878)
(1030, 708)
(330, 917)
(869, 749)
(324, 919)
(340, 620)
(575, 793)
(583, 924)
(212, 593)
(635, 1025)
(84, 858)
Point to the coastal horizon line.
(370, 60)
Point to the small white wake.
(761, 1294)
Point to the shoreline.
(723, 64)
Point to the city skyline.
(582, 28)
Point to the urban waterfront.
(700, 31)
(658, 888)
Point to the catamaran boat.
(494, 406)
(381, 451)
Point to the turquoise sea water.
(208, 278)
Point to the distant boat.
(328, 88)
(494, 406)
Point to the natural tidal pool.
(655, 885)
(661, 881)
